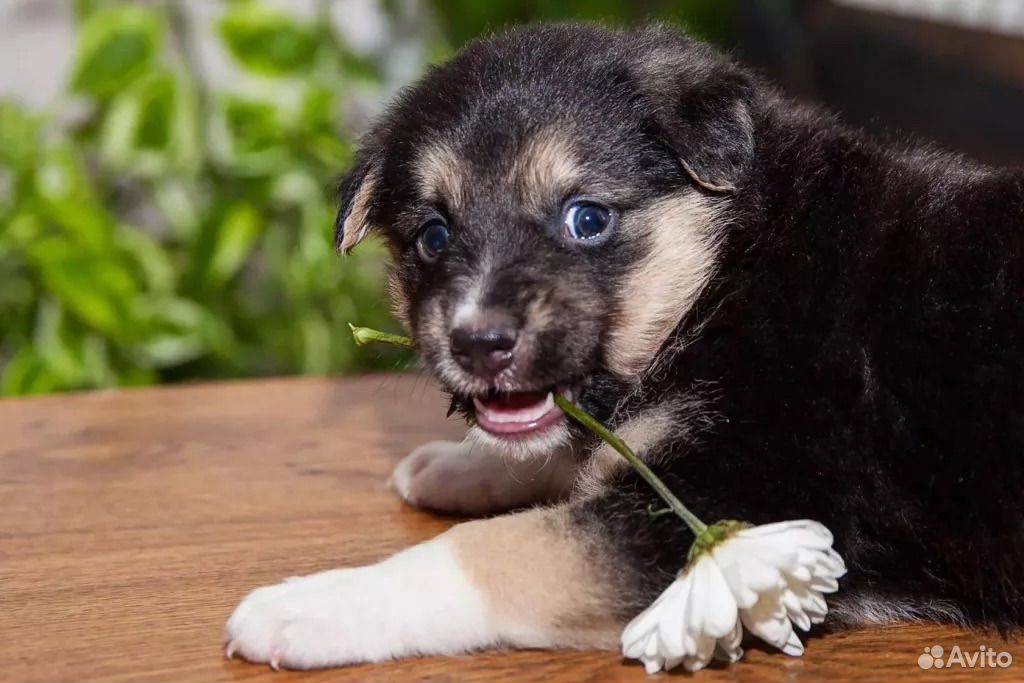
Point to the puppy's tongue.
(517, 414)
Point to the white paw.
(460, 478)
(303, 623)
(365, 614)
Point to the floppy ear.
(358, 192)
(712, 132)
(701, 103)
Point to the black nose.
(485, 350)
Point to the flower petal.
(768, 621)
(746, 573)
(773, 528)
(651, 647)
(646, 624)
(800, 573)
(728, 649)
(694, 620)
(775, 551)
(671, 629)
(824, 584)
(799, 532)
(635, 644)
(696, 639)
(795, 611)
(793, 646)
(701, 658)
(834, 562)
(720, 610)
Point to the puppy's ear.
(358, 194)
(702, 106)
(712, 133)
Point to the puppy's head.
(552, 199)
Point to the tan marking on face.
(431, 325)
(681, 237)
(540, 314)
(358, 221)
(538, 578)
(440, 174)
(546, 168)
(400, 304)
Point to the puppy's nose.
(484, 349)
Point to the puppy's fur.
(787, 319)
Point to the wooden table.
(131, 523)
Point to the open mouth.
(519, 414)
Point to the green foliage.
(116, 45)
(268, 41)
(172, 231)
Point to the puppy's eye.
(586, 220)
(433, 240)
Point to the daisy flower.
(763, 578)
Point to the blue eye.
(586, 220)
(433, 240)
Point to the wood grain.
(132, 522)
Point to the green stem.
(584, 418)
(365, 335)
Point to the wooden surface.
(132, 522)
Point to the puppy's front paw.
(304, 623)
(459, 478)
(418, 601)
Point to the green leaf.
(96, 362)
(67, 197)
(19, 136)
(266, 41)
(154, 262)
(96, 290)
(152, 128)
(52, 345)
(175, 330)
(224, 245)
(26, 373)
(235, 240)
(117, 44)
(249, 137)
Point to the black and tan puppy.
(786, 318)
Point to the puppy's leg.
(546, 577)
(468, 478)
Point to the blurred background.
(167, 168)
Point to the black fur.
(859, 353)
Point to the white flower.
(766, 578)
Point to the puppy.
(784, 317)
